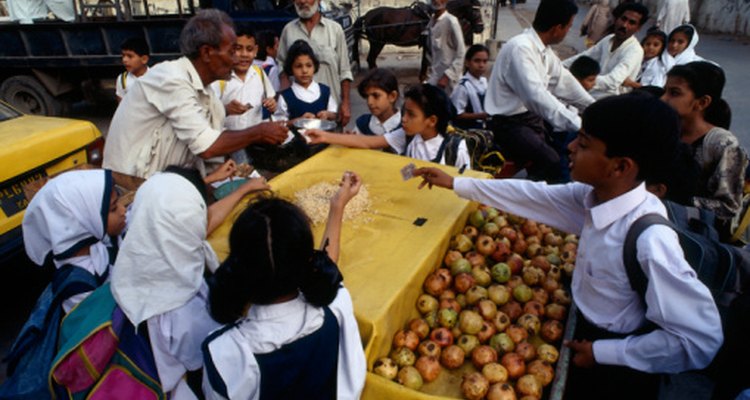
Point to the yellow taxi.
(32, 149)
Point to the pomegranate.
(475, 386)
(404, 338)
(487, 308)
(554, 273)
(482, 275)
(512, 309)
(552, 331)
(526, 350)
(501, 391)
(500, 272)
(410, 377)
(513, 362)
(501, 321)
(514, 282)
(561, 296)
(447, 276)
(475, 294)
(447, 317)
(461, 243)
(429, 348)
(499, 294)
(420, 327)
(529, 385)
(428, 367)
(532, 275)
(541, 262)
(426, 303)
(451, 257)
(471, 232)
(517, 333)
(550, 285)
(508, 233)
(495, 372)
(467, 343)
(530, 228)
(470, 322)
(431, 319)
(451, 304)
(515, 262)
(442, 336)
(552, 257)
(500, 221)
(531, 323)
(403, 357)
(463, 282)
(555, 311)
(487, 331)
(482, 355)
(520, 246)
(542, 370)
(452, 357)
(385, 367)
(461, 265)
(485, 244)
(551, 239)
(502, 343)
(490, 229)
(502, 250)
(435, 284)
(534, 307)
(547, 353)
(522, 293)
(477, 218)
(447, 294)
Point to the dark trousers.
(607, 381)
(525, 138)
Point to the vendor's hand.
(272, 132)
(223, 172)
(270, 104)
(348, 188)
(484, 115)
(345, 113)
(236, 108)
(326, 115)
(433, 176)
(308, 115)
(317, 136)
(584, 352)
(254, 185)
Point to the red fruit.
(429, 348)
(464, 282)
(552, 330)
(502, 251)
(407, 339)
(435, 284)
(450, 303)
(485, 245)
(451, 257)
(517, 333)
(452, 357)
(428, 367)
(513, 362)
(483, 355)
(526, 350)
(542, 370)
(475, 386)
(512, 309)
(475, 259)
(515, 262)
(420, 327)
(555, 311)
(447, 276)
(442, 336)
(488, 329)
(520, 246)
(534, 307)
(508, 233)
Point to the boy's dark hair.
(433, 101)
(552, 13)
(380, 78)
(638, 126)
(584, 66)
(271, 255)
(245, 30)
(137, 45)
(265, 39)
(688, 30)
(632, 6)
(299, 48)
(193, 176)
(659, 34)
(706, 79)
(681, 177)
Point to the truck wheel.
(28, 95)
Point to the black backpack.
(723, 268)
(484, 153)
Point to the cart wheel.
(27, 94)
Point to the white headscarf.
(67, 214)
(686, 56)
(161, 261)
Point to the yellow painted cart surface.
(386, 256)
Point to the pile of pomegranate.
(498, 303)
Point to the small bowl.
(312, 123)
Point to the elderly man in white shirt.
(172, 117)
(619, 54)
(530, 92)
(447, 48)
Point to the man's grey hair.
(205, 28)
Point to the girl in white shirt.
(291, 331)
(653, 69)
(425, 117)
(681, 46)
(468, 96)
(306, 98)
(380, 89)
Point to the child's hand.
(223, 172)
(308, 115)
(254, 185)
(433, 176)
(317, 136)
(348, 188)
(270, 104)
(236, 108)
(326, 115)
(584, 352)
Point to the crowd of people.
(630, 123)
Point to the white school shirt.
(426, 150)
(616, 66)
(267, 328)
(381, 128)
(469, 92)
(307, 94)
(120, 89)
(253, 90)
(653, 73)
(528, 76)
(447, 49)
(273, 72)
(690, 329)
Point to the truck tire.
(27, 94)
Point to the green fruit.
(500, 272)
(461, 265)
(447, 317)
(522, 293)
(477, 218)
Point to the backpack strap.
(636, 276)
(124, 79)
(222, 87)
(214, 378)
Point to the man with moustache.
(619, 54)
(327, 39)
(172, 117)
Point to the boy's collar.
(610, 211)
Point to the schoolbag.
(484, 153)
(723, 268)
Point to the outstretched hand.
(584, 352)
(223, 172)
(433, 176)
(316, 136)
(254, 185)
(348, 188)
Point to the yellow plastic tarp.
(384, 260)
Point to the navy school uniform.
(296, 107)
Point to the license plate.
(16, 194)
